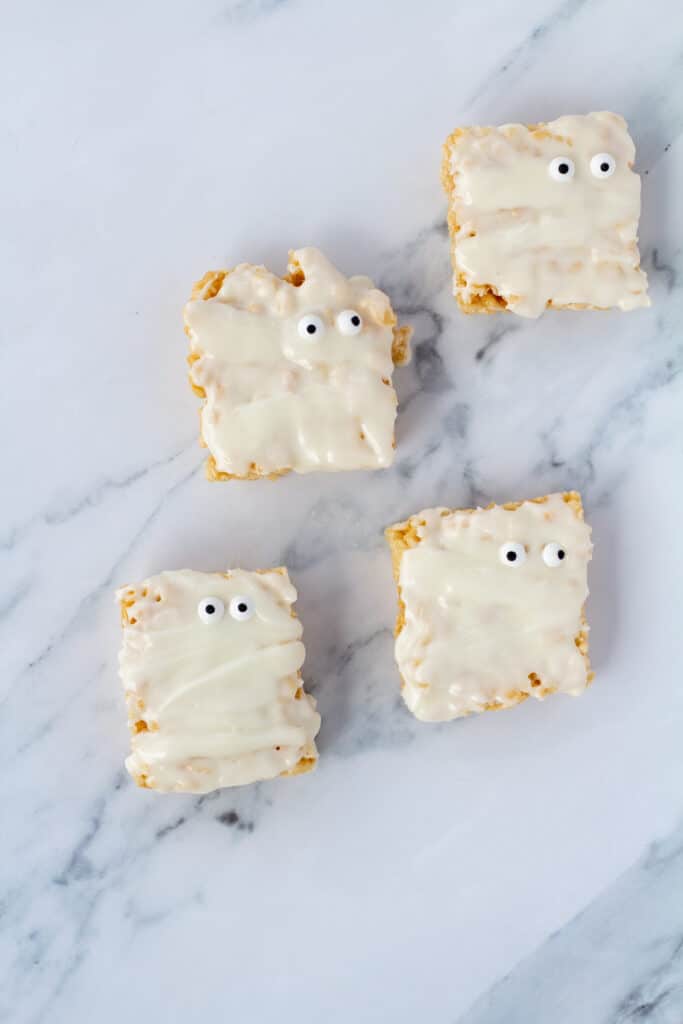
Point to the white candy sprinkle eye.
(350, 322)
(603, 165)
(561, 168)
(311, 327)
(512, 553)
(210, 609)
(554, 555)
(241, 608)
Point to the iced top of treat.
(296, 373)
(210, 665)
(548, 214)
(493, 602)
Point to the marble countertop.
(521, 868)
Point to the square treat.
(544, 215)
(491, 605)
(295, 372)
(210, 666)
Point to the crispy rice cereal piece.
(491, 605)
(294, 372)
(544, 216)
(210, 665)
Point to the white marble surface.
(420, 873)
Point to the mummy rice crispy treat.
(210, 666)
(544, 215)
(295, 372)
(491, 605)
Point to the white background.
(144, 143)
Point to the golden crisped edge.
(400, 348)
(136, 707)
(207, 288)
(255, 471)
(305, 764)
(483, 297)
(403, 536)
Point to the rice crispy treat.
(294, 372)
(544, 216)
(491, 605)
(210, 664)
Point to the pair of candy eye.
(603, 165)
(514, 554)
(212, 609)
(312, 327)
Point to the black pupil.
(311, 329)
(560, 554)
(511, 556)
(604, 167)
(241, 607)
(210, 609)
(563, 168)
(355, 320)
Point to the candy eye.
(349, 322)
(241, 608)
(512, 553)
(311, 327)
(554, 555)
(603, 165)
(561, 168)
(210, 609)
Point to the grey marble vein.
(623, 417)
(59, 513)
(668, 270)
(618, 962)
(521, 58)
(164, 143)
(14, 598)
(498, 332)
(105, 584)
(88, 877)
(245, 12)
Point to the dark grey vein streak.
(622, 956)
(493, 339)
(58, 516)
(244, 12)
(667, 270)
(76, 619)
(15, 598)
(624, 412)
(85, 884)
(521, 58)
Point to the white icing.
(279, 396)
(477, 631)
(536, 240)
(217, 699)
